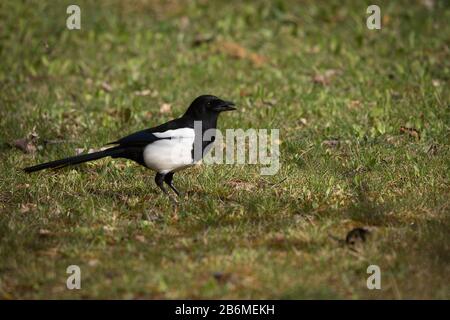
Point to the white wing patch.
(176, 133)
(170, 154)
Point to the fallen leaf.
(27, 144)
(93, 262)
(354, 104)
(278, 238)
(107, 87)
(436, 83)
(140, 238)
(241, 185)
(243, 93)
(143, 93)
(326, 77)
(314, 49)
(27, 207)
(332, 143)
(24, 145)
(201, 39)
(235, 50)
(165, 108)
(411, 132)
(184, 22)
(147, 115)
(257, 59)
(44, 232)
(109, 229)
(429, 4)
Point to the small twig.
(279, 182)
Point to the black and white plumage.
(166, 148)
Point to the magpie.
(166, 148)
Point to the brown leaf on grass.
(313, 49)
(93, 262)
(109, 229)
(244, 93)
(143, 93)
(233, 50)
(27, 207)
(106, 86)
(411, 132)
(184, 23)
(201, 39)
(278, 238)
(147, 115)
(326, 77)
(241, 185)
(236, 51)
(332, 143)
(147, 92)
(27, 144)
(24, 145)
(436, 83)
(44, 232)
(354, 104)
(429, 4)
(257, 59)
(303, 121)
(140, 238)
(165, 108)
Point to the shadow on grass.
(305, 292)
(433, 241)
(368, 212)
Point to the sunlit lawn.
(364, 129)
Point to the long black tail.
(57, 164)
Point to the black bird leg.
(168, 179)
(159, 179)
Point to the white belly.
(172, 154)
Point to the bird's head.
(208, 106)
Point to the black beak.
(224, 106)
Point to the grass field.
(364, 123)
